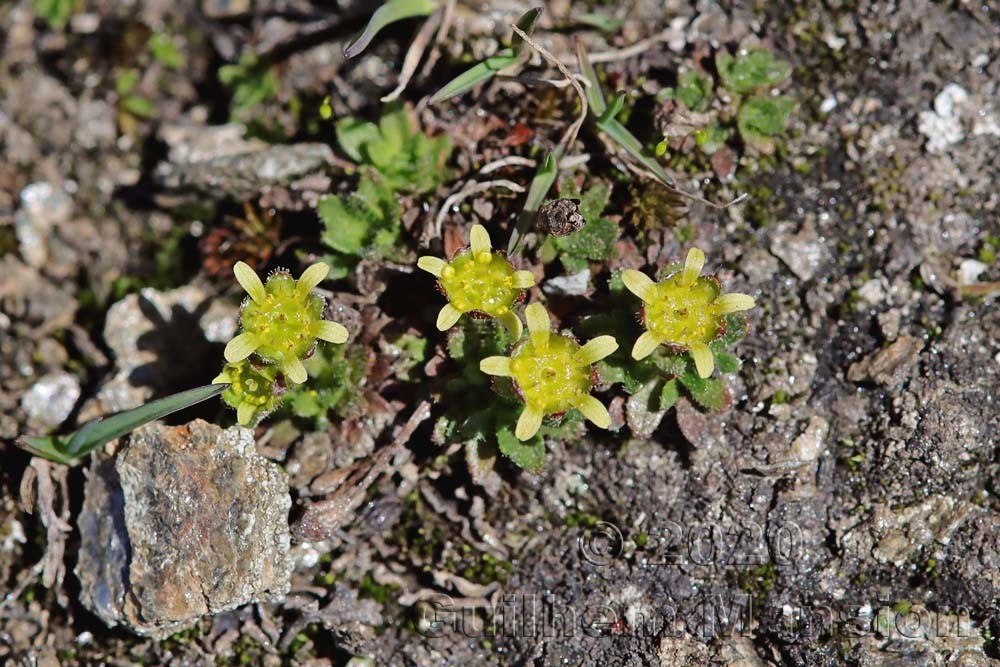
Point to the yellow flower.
(552, 373)
(685, 311)
(479, 281)
(253, 390)
(282, 319)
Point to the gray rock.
(571, 285)
(29, 297)
(889, 366)
(804, 252)
(184, 521)
(51, 399)
(43, 206)
(218, 161)
(147, 331)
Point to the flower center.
(284, 322)
(683, 314)
(550, 379)
(480, 281)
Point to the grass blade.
(540, 186)
(484, 71)
(526, 24)
(595, 97)
(605, 119)
(389, 12)
(476, 75)
(69, 449)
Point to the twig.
(637, 169)
(509, 161)
(633, 50)
(573, 130)
(447, 20)
(471, 188)
(413, 55)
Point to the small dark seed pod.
(560, 217)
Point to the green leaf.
(762, 118)
(613, 110)
(693, 90)
(165, 51)
(475, 75)
(711, 138)
(608, 24)
(529, 455)
(727, 363)
(345, 231)
(736, 329)
(751, 71)
(139, 106)
(56, 13)
(406, 158)
(595, 200)
(336, 373)
(367, 218)
(621, 136)
(251, 80)
(352, 134)
(126, 81)
(669, 395)
(710, 393)
(670, 364)
(594, 242)
(69, 449)
(389, 12)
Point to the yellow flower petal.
(732, 303)
(311, 277)
(222, 378)
(294, 370)
(512, 323)
(639, 284)
(528, 423)
(479, 239)
(245, 413)
(241, 347)
(595, 350)
(693, 265)
(496, 366)
(523, 279)
(432, 265)
(644, 346)
(704, 360)
(330, 331)
(593, 410)
(539, 325)
(249, 281)
(447, 317)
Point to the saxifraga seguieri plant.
(552, 373)
(281, 320)
(479, 281)
(685, 311)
